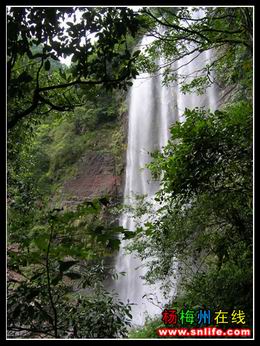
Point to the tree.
(55, 254)
(182, 32)
(56, 273)
(36, 39)
(205, 217)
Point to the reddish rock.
(96, 177)
(93, 185)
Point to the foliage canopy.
(36, 39)
(205, 217)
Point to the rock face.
(226, 95)
(96, 177)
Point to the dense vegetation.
(56, 250)
(205, 218)
(57, 255)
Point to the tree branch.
(198, 19)
(18, 116)
(56, 107)
(37, 97)
(222, 31)
(38, 74)
(80, 82)
(198, 33)
(175, 39)
(177, 27)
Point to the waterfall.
(152, 109)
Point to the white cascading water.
(152, 110)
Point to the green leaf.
(129, 234)
(24, 77)
(42, 241)
(47, 65)
(136, 53)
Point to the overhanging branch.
(37, 97)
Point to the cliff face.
(96, 177)
(100, 169)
